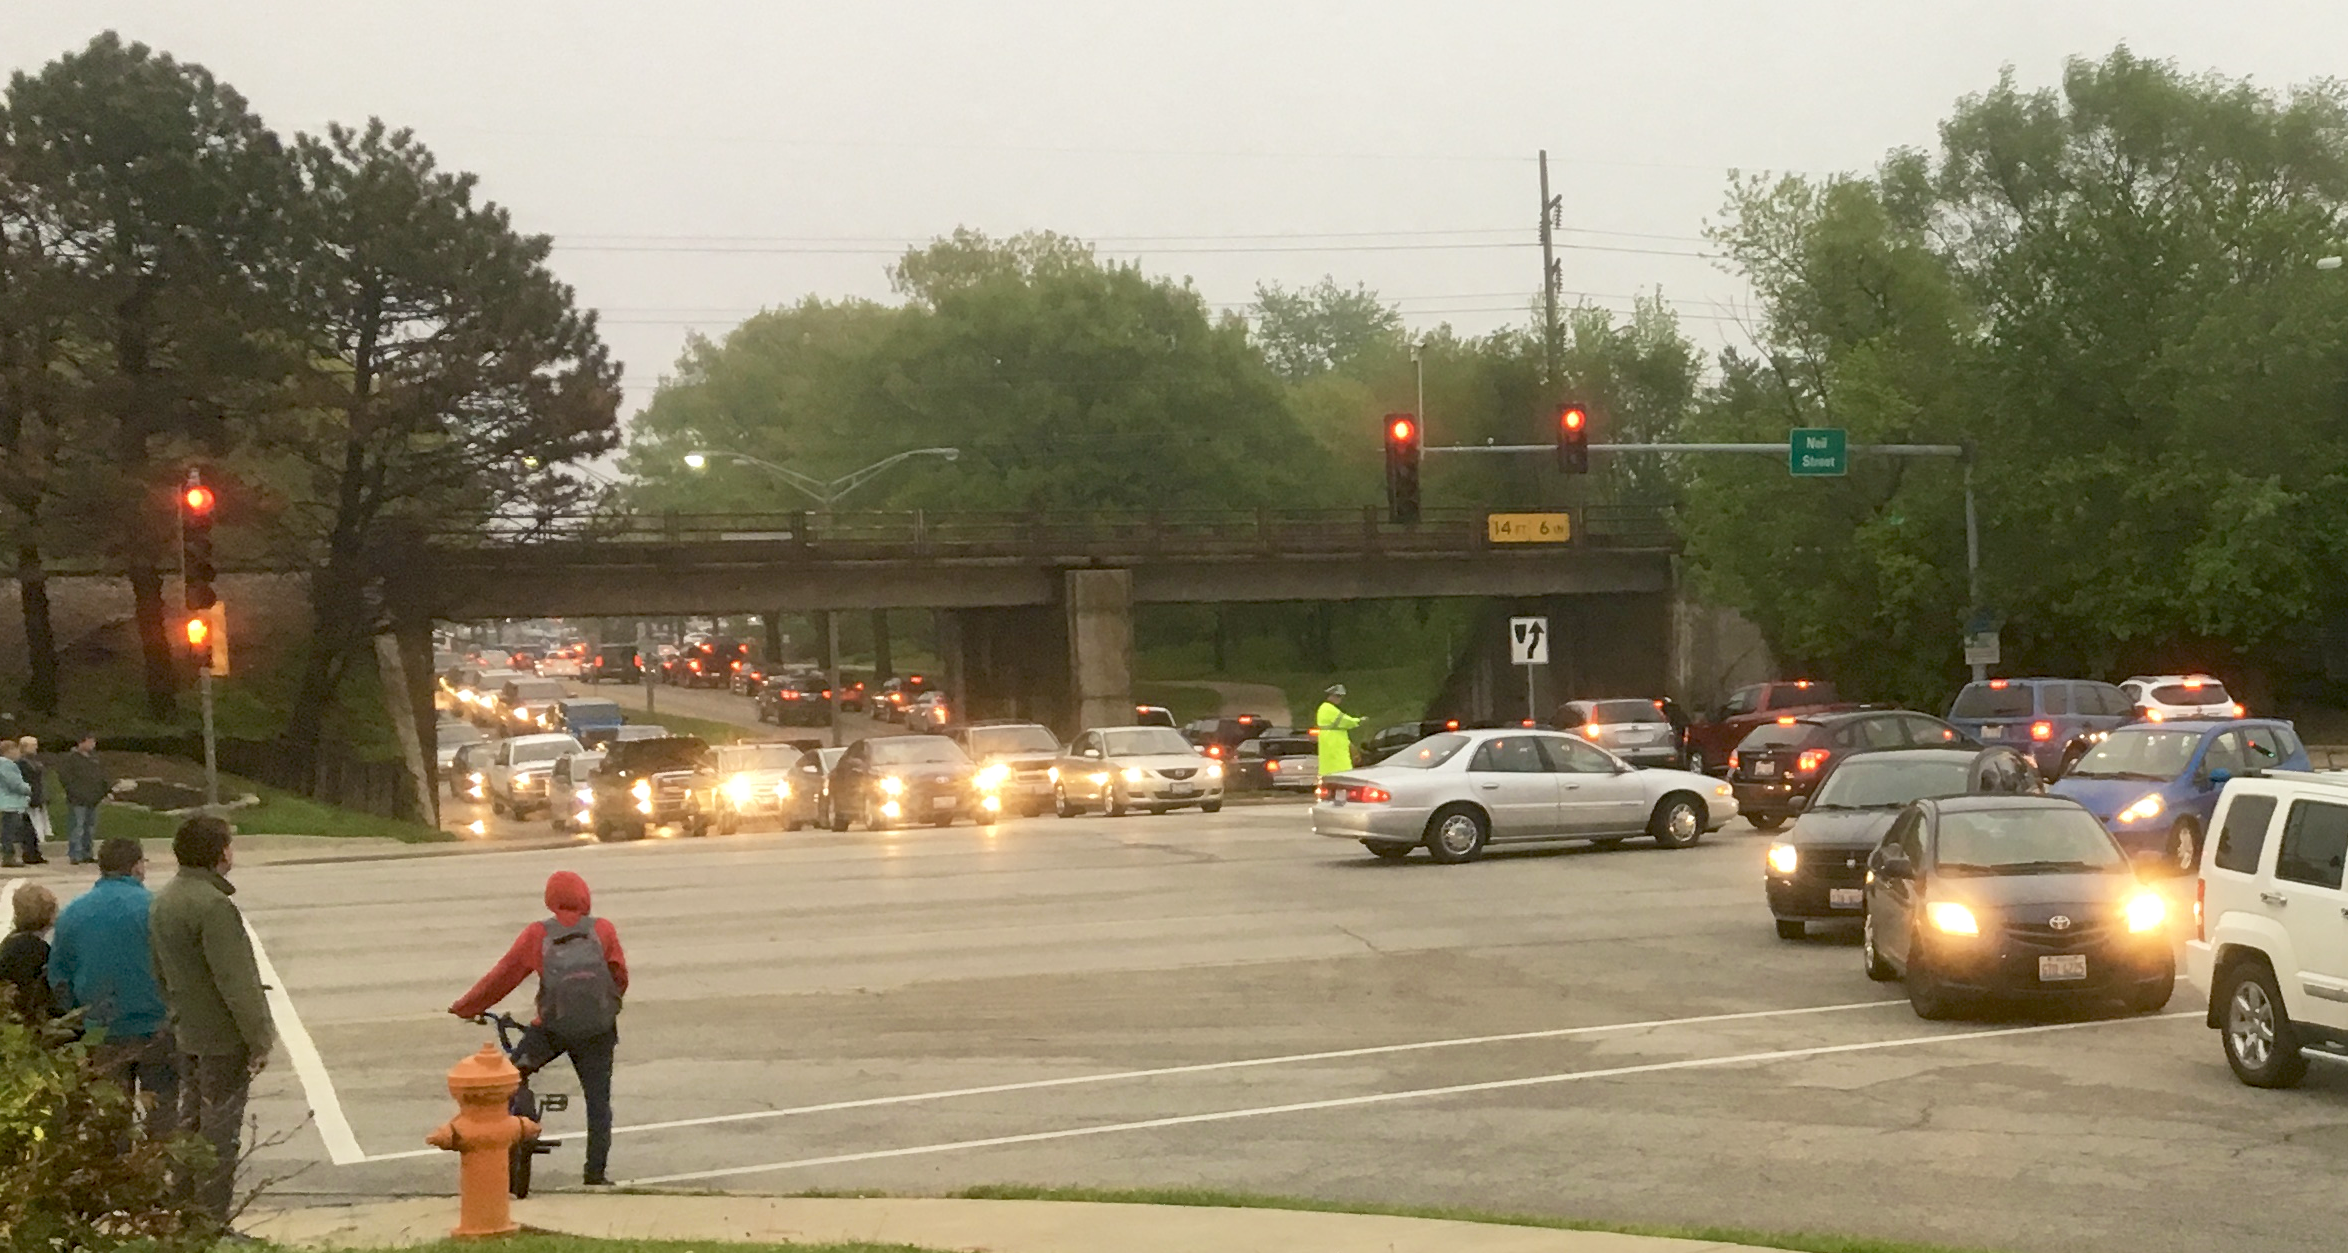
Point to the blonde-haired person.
(24, 955)
(36, 781)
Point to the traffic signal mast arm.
(1959, 451)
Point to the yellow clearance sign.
(1528, 528)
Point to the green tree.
(452, 377)
(1323, 328)
(167, 199)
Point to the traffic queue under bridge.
(1035, 612)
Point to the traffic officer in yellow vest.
(1336, 746)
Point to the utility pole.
(1551, 208)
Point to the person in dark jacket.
(24, 955)
(84, 781)
(567, 896)
(218, 1011)
(100, 964)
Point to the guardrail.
(1088, 534)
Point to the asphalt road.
(1231, 1002)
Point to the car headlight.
(2146, 911)
(1950, 918)
(992, 777)
(1052, 773)
(643, 794)
(1134, 774)
(1722, 789)
(1214, 770)
(586, 797)
(521, 715)
(1783, 858)
(1099, 777)
(2146, 808)
(523, 778)
(737, 790)
(782, 789)
(892, 785)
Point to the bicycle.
(523, 1104)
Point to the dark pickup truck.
(1712, 740)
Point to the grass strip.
(1801, 1242)
(552, 1243)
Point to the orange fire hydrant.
(483, 1134)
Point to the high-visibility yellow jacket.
(1336, 747)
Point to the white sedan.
(1456, 793)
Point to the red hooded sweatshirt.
(566, 895)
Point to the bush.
(76, 1172)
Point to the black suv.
(796, 701)
(614, 663)
(1778, 764)
(644, 785)
(896, 780)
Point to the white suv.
(521, 772)
(2270, 938)
(2179, 697)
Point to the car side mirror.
(1894, 866)
(2217, 777)
(1797, 803)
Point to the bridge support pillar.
(1100, 646)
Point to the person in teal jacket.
(1336, 747)
(100, 964)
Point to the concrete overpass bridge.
(1035, 610)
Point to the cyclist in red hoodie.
(582, 974)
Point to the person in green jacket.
(211, 981)
(1336, 747)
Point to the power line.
(825, 250)
(578, 239)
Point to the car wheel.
(603, 831)
(2261, 1045)
(1388, 850)
(834, 819)
(2185, 845)
(1216, 807)
(1926, 995)
(2152, 995)
(497, 807)
(1678, 821)
(942, 820)
(1115, 807)
(1061, 804)
(1456, 834)
(1877, 969)
(792, 823)
(1766, 822)
(1792, 929)
(729, 824)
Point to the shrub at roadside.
(75, 1172)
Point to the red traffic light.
(1573, 419)
(1402, 429)
(198, 498)
(199, 630)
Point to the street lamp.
(825, 492)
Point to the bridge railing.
(1076, 533)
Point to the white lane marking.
(342, 1148)
(1373, 1050)
(1381, 1098)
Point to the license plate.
(1764, 769)
(942, 802)
(1846, 898)
(1993, 733)
(1181, 789)
(2062, 967)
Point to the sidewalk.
(994, 1226)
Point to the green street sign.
(1817, 450)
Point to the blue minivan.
(2154, 785)
(2052, 721)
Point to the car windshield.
(1145, 741)
(758, 757)
(1298, 746)
(988, 741)
(640, 733)
(457, 734)
(1609, 712)
(1428, 753)
(2040, 839)
(1865, 782)
(676, 752)
(1995, 699)
(592, 711)
(1778, 735)
(916, 750)
(2198, 692)
(546, 750)
(2155, 756)
(542, 689)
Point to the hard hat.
(1335, 689)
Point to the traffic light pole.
(1961, 452)
(211, 750)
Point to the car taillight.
(695, 664)
(2239, 711)
(1589, 730)
(1732, 760)
(1366, 795)
(2200, 894)
(2042, 730)
(1811, 759)
(2154, 715)
(1320, 791)
(1272, 766)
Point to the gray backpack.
(577, 997)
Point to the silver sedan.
(1456, 793)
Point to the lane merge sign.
(1817, 451)
(1528, 641)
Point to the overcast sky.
(696, 161)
